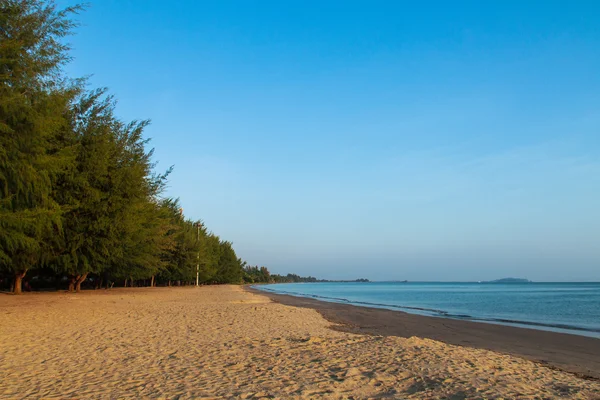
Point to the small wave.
(364, 303)
(435, 312)
(539, 324)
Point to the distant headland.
(509, 280)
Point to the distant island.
(509, 280)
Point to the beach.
(574, 353)
(228, 342)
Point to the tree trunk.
(72, 280)
(99, 285)
(125, 282)
(152, 281)
(131, 280)
(17, 287)
(79, 281)
(169, 283)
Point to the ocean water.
(562, 307)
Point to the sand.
(573, 353)
(223, 342)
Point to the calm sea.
(563, 307)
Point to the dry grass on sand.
(222, 342)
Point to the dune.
(223, 342)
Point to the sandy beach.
(224, 342)
(573, 353)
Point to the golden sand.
(222, 342)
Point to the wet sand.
(224, 342)
(573, 353)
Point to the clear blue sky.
(388, 140)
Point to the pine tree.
(78, 192)
(182, 256)
(34, 103)
(229, 267)
(83, 190)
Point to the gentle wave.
(431, 311)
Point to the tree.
(210, 254)
(139, 224)
(82, 189)
(34, 102)
(183, 247)
(256, 274)
(229, 267)
(114, 222)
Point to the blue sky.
(388, 140)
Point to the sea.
(561, 307)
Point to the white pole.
(198, 259)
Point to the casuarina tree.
(34, 103)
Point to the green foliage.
(34, 102)
(229, 266)
(181, 254)
(262, 275)
(78, 191)
(257, 275)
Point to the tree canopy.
(79, 195)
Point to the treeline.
(262, 275)
(79, 198)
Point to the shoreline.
(431, 312)
(576, 354)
